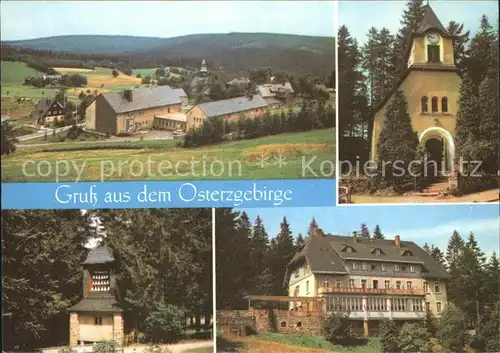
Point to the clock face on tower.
(433, 38)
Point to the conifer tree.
(453, 256)
(299, 242)
(397, 142)
(259, 245)
(377, 233)
(281, 252)
(364, 232)
(313, 227)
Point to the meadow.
(293, 343)
(248, 159)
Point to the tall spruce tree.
(459, 43)
(281, 252)
(437, 254)
(453, 257)
(479, 61)
(259, 248)
(364, 231)
(397, 142)
(42, 252)
(377, 233)
(299, 242)
(313, 227)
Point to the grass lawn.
(14, 72)
(233, 160)
(289, 343)
(144, 72)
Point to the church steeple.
(203, 69)
(431, 43)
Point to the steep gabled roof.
(44, 105)
(325, 255)
(430, 21)
(144, 98)
(233, 105)
(99, 255)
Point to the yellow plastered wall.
(424, 83)
(91, 332)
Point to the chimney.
(355, 237)
(397, 241)
(318, 232)
(128, 94)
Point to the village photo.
(238, 94)
(347, 279)
(107, 281)
(418, 103)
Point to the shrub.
(451, 329)
(414, 338)
(389, 336)
(105, 347)
(166, 324)
(335, 328)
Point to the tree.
(9, 139)
(377, 233)
(414, 338)
(313, 227)
(42, 251)
(453, 256)
(451, 329)
(389, 337)
(397, 143)
(336, 328)
(165, 324)
(481, 46)
(437, 254)
(281, 252)
(115, 73)
(364, 232)
(259, 247)
(299, 242)
(461, 39)
(147, 245)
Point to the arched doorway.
(441, 147)
(435, 148)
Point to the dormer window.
(348, 249)
(407, 253)
(378, 251)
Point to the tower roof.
(99, 255)
(430, 21)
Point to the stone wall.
(74, 329)
(262, 320)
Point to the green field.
(144, 72)
(14, 72)
(229, 160)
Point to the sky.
(419, 223)
(359, 16)
(35, 19)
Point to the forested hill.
(232, 51)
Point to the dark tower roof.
(99, 255)
(430, 21)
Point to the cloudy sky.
(426, 223)
(33, 19)
(359, 16)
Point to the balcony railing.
(357, 290)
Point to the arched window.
(444, 104)
(434, 104)
(425, 104)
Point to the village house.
(98, 316)
(47, 112)
(431, 86)
(230, 109)
(127, 112)
(368, 279)
(277, 95)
